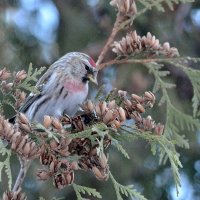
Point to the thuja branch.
(140, 61)
(115, 30)
(125, 16)
(24, 166)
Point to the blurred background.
(40, 31)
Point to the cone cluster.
(113, 115)
(18, 195)
(11, 87)
(89, 157)
(62, 172)
(54, 150)
(19, 142)
(134, 44)
(83, 148)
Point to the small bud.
(128, 103)
(6, 86)
(14, 137)
(47, 121)
(111, 104)
(122, 93)
(66, 120)
(84, 166)
(137, 98)
(140, 108)
(136, 116)
(97, 172)
(98, 110)
(44, 175)
(26, 149)
(74, 165)
(149, 95)
(21, 75)
(159, 129)
(22, 143)
(116, 124)
(23, 122)
(56, 123)
(122, 114)
(70, 178)
(90, 106)
(52, 166)
(166, 46)
(25, 127)
(103, 160)
(53, 144)
(108, 116)
(22, 118)
(93, 151)
(149, 123)
(103, 106)
(22, 96)
(4, 74)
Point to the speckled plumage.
(63, 87)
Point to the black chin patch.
(85, 79)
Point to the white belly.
(67, 103)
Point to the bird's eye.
(86, 67)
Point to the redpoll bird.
(62, 88)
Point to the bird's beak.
(92, 78)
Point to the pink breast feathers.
(74, 86)
(91, 61)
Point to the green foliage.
(8, 98)
(120, 148)
(193, 75)
(51, 135)
(31, 78)
(162, 146)
(85, 190)
(146, 5)
(125, 190)
(5, 165)
(176, 120)
(160, 4)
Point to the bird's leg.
(24, 166)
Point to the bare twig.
(141, 61)
(24, 166)
(115, 30)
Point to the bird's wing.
(29, 100)
(32, 96)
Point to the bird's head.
(81, 66)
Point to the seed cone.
(20, 143)
(18, 195)
(133, 44)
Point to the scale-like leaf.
(5, 165)
(125, 190)
(82, 189)
(120, 148)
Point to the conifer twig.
(24, 166)
(115, 30)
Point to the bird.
(62, 88)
